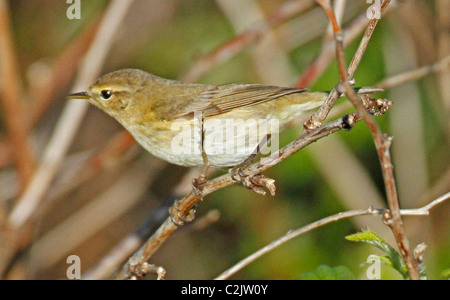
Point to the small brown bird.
(176, 121)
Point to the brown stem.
(382, 143)
(357, 58)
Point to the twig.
(292, 234)
(317, 119)
(425, 211)
(442, 65)
(382, 143)
(330, 219)
(71, 117)
(15, 113)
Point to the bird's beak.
(80, 95)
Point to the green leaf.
(393, 258)
(324, 272)
(370, 237)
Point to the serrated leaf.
(367, 236)
(324, 272)
(393, 259)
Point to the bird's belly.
(226, 142)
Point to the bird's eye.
(106, 94)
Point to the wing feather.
(224, 98)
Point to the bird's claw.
(177, 218)
(254, 182)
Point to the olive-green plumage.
(164, 115)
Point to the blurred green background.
(338, 173)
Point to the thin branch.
(292, 234)
(326, 55)
(317, 119)
(415, 74)
(423, 211)
(71, 117)
(382, 143)
(11, 88)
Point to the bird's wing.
(224, 98)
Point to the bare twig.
(382, 143)
(11, 90)
(423, 211)
(317, 119)
(442, 65)
(326, 55)
(71, 117)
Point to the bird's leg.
(237, 172)
(199, 183)
(257, 181)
